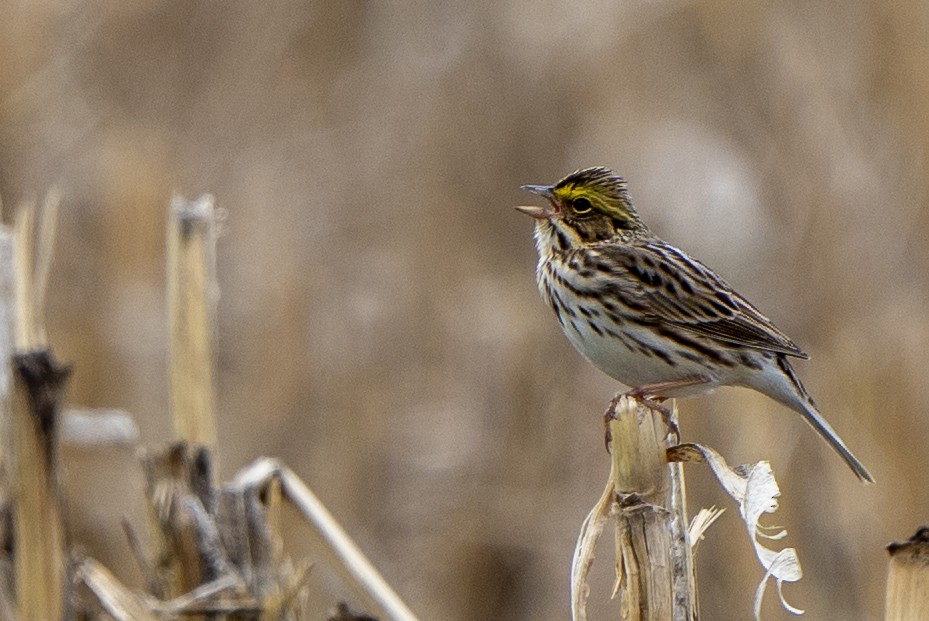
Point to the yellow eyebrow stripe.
(573, 192)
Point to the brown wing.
(672, 288)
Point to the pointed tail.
(805, 406)
(819, 423)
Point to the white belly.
(627, 352)
(632, 360)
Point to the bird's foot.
(654, 404)
(650, 396)
(651, 402)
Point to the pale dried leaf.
(701, 522)
(584, 553)
(756, 491)
(98, 427)
(784, 563)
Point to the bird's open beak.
(541, 190)
(536, 212)
(540, 213)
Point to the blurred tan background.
(379, 327)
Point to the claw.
(649, 400)
(666, 416)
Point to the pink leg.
(650, 395)
(654, 391)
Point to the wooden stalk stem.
(32, 386)
(7, 337)
(654, 561)
(40, 540)
(192, 295)
(908, 579)
(349, 561)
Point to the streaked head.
(589, 205)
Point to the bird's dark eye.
(581, 206)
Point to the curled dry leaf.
(754, 488)
(584, 552)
